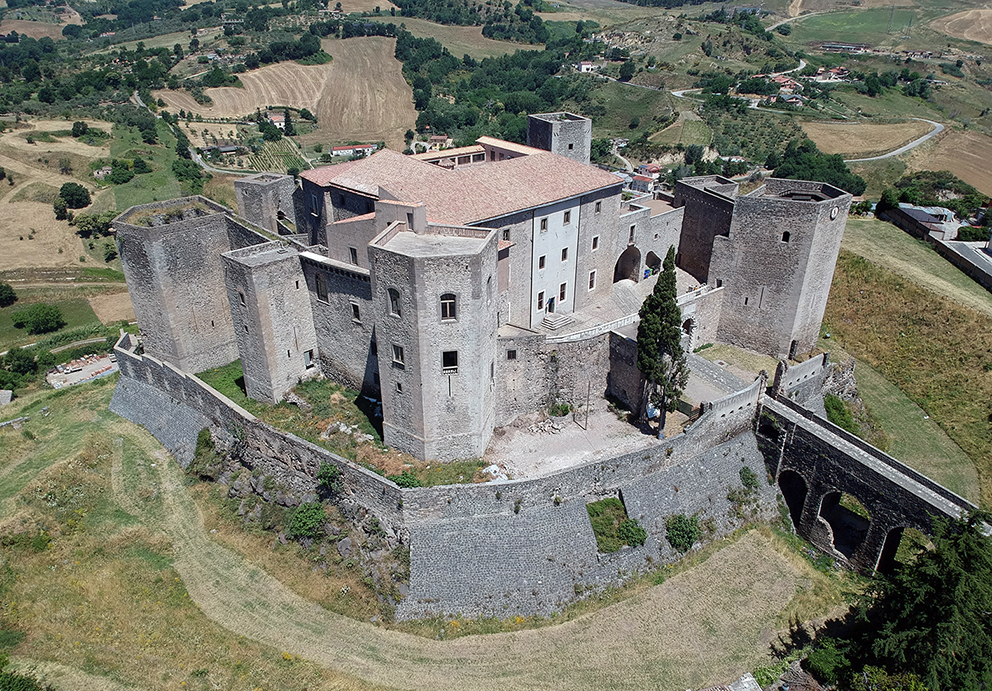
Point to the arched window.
(394, 301)
(449, 306)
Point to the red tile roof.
(469, 194)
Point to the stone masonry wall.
(706, 216)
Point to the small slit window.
(394, 302)
(631, 237)
(449, 306)
(786, 236)
(506, 234)
(308, 359)
(595, 242)
(354, 255)
(449, 362)
(541, 261)
(321, 282)
(571, 146)
(399, 387)
(592, 280)
(511, 354)
(599, 206)
(241, 296)
(356, 313)
(567, 218)
(540, 301)
(544, 224)
(564, 254)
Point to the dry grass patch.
(112, 307)
(744, 364)
(971, 25)
(35, 30)
(863, 139)
(220, 188)
(967, 154)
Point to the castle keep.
(465, 287)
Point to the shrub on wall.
(611, 526)
(328, 480)
(307, 520)
(682, 531)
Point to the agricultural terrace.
(360, 95)
(459, 40)
(145, 559)
(967, 154)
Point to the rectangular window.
(564, 254)
(449, 306)
(568, 218)
(631, 238)
(540, 265)
(540, 301)
(561, 292)
(409, 221)
(398, 360)
(321, 282)
(571, 146)
(308, 359)
(242, 296)
(297, 285)
(356, 313)
(394, 301)
(595, 243)
(592, 280)
(511, 355)
(314, 206)
(599, 206)
(544, 224)
(449, 362)
(246, 328)
(506, 234)
(354, 255)
(399, 388)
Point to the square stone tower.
(777, 262)
(171, 255)
(266, 200)
(561, 133)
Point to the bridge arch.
(628, 265)
(794, 491)
(848, 528)
(887, 557)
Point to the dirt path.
(698, 628)
(65, 677)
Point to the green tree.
(79, 129)
(931, 617)
(660, 357)
(75, 195)
(627, 70)
(7, 295)
(288, 128)
(39, 318)
(20, 361)
(61, 210)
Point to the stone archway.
(848, 529)
(794, 492)
(653, 262)
(628, 266)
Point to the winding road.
(937, 129)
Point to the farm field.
(29, 233)
(460, 40)
(41, 28)
(869, 26)
(623, 103)
(153, 577)
(863, 139)
(967, 154)
(688, 129)
(76, 311)
(360, 95)
(970, 25)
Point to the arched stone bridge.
(815, 462)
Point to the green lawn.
(914, 438)
(157, 185)
(863, 26)
(76, 311)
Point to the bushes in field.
(39, 318)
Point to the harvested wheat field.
(112, 307)
(971, 25)
(39, 29)
(966, 154)
(361, 95)
(863, 139)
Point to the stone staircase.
(554, 322)
(626, 297)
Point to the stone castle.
(466, 287)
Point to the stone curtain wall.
(706, 215)
(472, 552)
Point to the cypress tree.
(660, 357)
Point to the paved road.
(206, 166)
(937, 129)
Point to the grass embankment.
(936, 351)
(88, 569)
(332, 404)
(155, 186)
